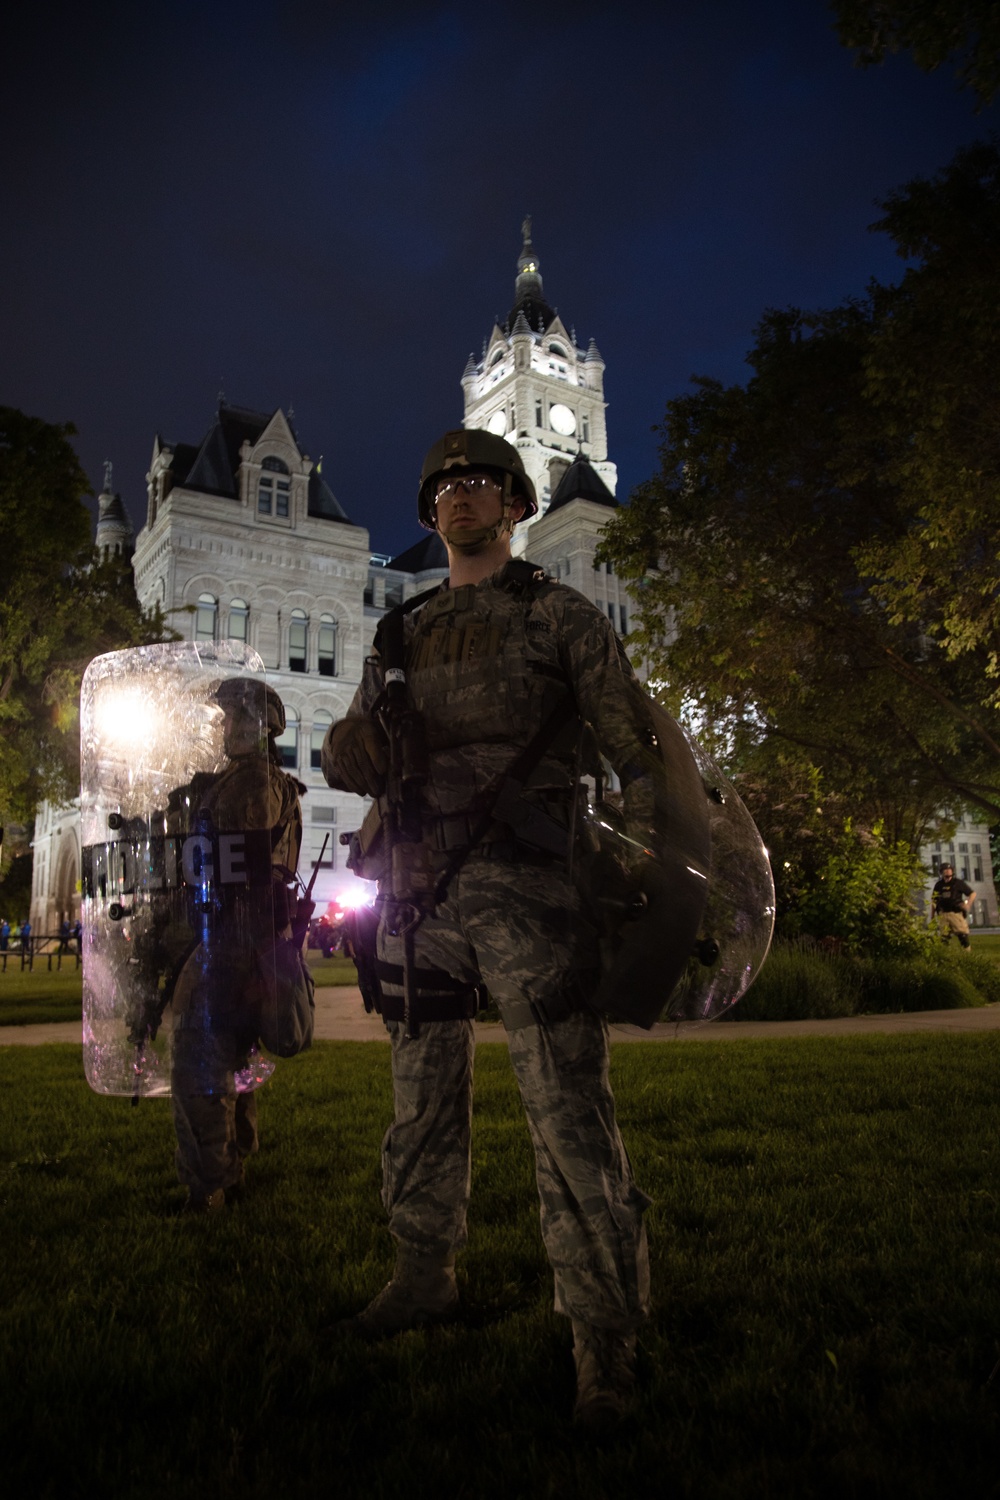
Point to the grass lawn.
(31, 998)
(824, 1253)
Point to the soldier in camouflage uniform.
(487, 657)
(214, 1006)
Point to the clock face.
(497, 424)
(562, 420)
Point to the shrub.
(864, 896)
(892, 985)
(984, 974)
(800, 983)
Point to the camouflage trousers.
(520, 930)
(216, 1127)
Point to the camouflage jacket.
(487, 663)
(251, 793)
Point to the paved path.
(340, 1016)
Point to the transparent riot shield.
(177, 879)
(687, 921)
(738, 919)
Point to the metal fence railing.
(25, 954)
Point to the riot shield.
(687, 922)
(177, 879)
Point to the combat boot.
(422, 1291)
(605, 1375)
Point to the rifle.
(411, 884)
(306, 906)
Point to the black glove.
(355, 757)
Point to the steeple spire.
(528, 298)
(528, 286)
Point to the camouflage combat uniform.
(214, 1024)
(485, 666)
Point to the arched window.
(327, 651)
(321, 723)
(272, 491)
(288, 743)
(205, 617)
(298, 639)
(239, 620)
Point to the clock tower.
(537, 388)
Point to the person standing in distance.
(952, 901)
(487, 655)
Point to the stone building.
(244, 540)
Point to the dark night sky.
(320, 204)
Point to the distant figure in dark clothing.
(952, 899)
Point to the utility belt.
(440, 997)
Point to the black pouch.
(360, 933)
(286, 1007)
(439, 996)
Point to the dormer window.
(273, 491)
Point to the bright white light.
(126, 718)
(358, 893)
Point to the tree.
(760, 551)
(58, 609)
(966, 30)
(931, 381)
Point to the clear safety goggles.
(468, 484)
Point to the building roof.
(214, 470)
(429, 552)
(213, 466)
(581, 481)
(323, 502)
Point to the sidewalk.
(341, 1017)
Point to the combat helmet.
(251, 699)
(474, 448)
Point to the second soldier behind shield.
(213, 989)
(488, 658)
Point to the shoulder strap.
(392, 620)
(522, 577)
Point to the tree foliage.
(58, 608)
(761, 549)
(863, 895)
(967, 31)
(931, 381)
